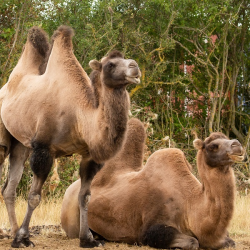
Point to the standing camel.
(161, 204)
(55, 114)
(8, 146)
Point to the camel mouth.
(135, 80)
(237, 158)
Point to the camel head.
(219, 151)
(115, 71)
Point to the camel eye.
(213, 147)
(111, 65)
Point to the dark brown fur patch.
(65, 32)
(215, 135)
(39, 39)
(159, 236)
(114, 54)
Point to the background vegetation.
(194, 57)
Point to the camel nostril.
(133, 65)
(236, 143)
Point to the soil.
(53, 237)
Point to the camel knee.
(162, 236)
(34, 200)
(9, 197)
(84, 200)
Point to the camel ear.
(198, 144)
(95, 65)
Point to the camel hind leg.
(162, 236)
(41, 162)
(5, 141)
(2, 158)
(17, 157)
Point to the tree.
(193, 55)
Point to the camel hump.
(136, 129)
(64, 32)
(39, 39)
(132, 152)
(167, 158)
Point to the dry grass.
(240, 224)
(48, 213)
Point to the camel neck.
(215, 203)
(110, 122)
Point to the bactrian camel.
(161, 204)
(8, 146)
(55, 114)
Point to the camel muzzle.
(238, 152)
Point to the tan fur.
(127, 199)
(50, 105)
(63, 98)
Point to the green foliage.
(194, 57)
(68, 172)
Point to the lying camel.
(56, 115)
(162, 204)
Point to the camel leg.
(18, 155)
(162, 236)
(2, 158)
(87, 173)
(1, 162)
(41, 162)
(3, 155)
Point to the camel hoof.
(4, 236)
(229, 243)
(91, 244)
(25, 242)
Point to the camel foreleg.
(17, 158)
(41, 162)
(87, 172)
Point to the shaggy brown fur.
(162, 204)
(57, 115)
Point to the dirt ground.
(53, 237)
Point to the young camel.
(162, 204)
(57, 116)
